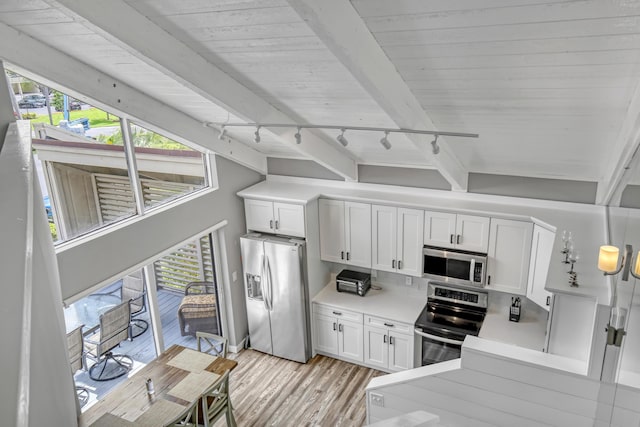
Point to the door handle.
(393, 263)
(389, 325)
(270, 285)
(277, 224)
(488, 280)
(263, 279)
(458, 239)
(451, 239)
(549, 300)
(341, 254)
(334, 326)
(339, 327)
(399, 265)
(384, 339)
(271, 224)
(390, 340)
(347, 256)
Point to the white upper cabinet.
(508, 255)
(396, 238)
(464, 232)
(345, 232)
(274, 217)
(541, 250)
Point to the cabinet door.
(383, 238)
(541, 250)
(472, 233)
(289, 219)
(439, 229)
(358, 234)
(376, 352)
(350, 340)
(332, 230)
(509, 251)
(400, 351)
(326, 333)
(410, 235)
(259, 215)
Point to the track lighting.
(298, 136)
(256, 139)
(341, 139)
(223, 132)
(384, 141)
(434, 145)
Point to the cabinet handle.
(399, 265)
(334, 326)
(458, 239)
(271, 224)
(488, 280)
(390, 340)
(277, 224)
(389, 325)
(384, 339)
(549, 300)
(341, 254)
(347, 256)
(451, 239)
(337, 313)
(340, 327)
(393, 263)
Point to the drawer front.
(338, 313)
(392, 325)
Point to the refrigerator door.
(253, 262)
(287, 299)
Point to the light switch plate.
(376, 399)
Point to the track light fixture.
(223, 132)
(384, 141)
(434, 145)
(341, 139)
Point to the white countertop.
(386, 302)
(529, 332)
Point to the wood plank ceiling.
(551, 86)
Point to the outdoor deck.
(141, 349)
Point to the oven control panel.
(457, 295)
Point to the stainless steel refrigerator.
(276, 295)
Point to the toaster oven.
(353, 282)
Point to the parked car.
(73, 105)
(30, 103)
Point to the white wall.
(37, 387)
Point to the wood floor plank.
(269, 391)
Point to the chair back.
(75, 344)
(200, 288)
(133, 290)
(211, 343)
(114, 327)
(216, 402)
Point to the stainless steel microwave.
(454, 267)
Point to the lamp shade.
(608, 259)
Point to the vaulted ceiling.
(550, 86)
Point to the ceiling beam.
(49, 66)
(343, 31)
(624, 157)
(125, 26)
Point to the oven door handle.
(437, 338)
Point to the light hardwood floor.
(269, 391)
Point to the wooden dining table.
(180, 376)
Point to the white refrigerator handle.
(263, 277)
(269, 285)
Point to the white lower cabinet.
(338, 332)
(388, 345)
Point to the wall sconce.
(608, 262)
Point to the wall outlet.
(408, 280)
(234, 276)
(374, 274)
(376, 399)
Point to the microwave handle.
(436, 338)
(472, 269)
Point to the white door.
(541, 250)
(509, 251)
(409, 247)
(289, 219)
(439, 229)
(383, 238)
(326, 337)
(259, 215)
(472, 233)
(376, 352)
(400, 351)
(358, 234)
(332, 230)
(350, 336)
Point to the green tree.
(57, 100)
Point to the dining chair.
(188, 418)
(133, 290)
(75, 345)
(211, 343)
(216, 402)
(114, 328)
